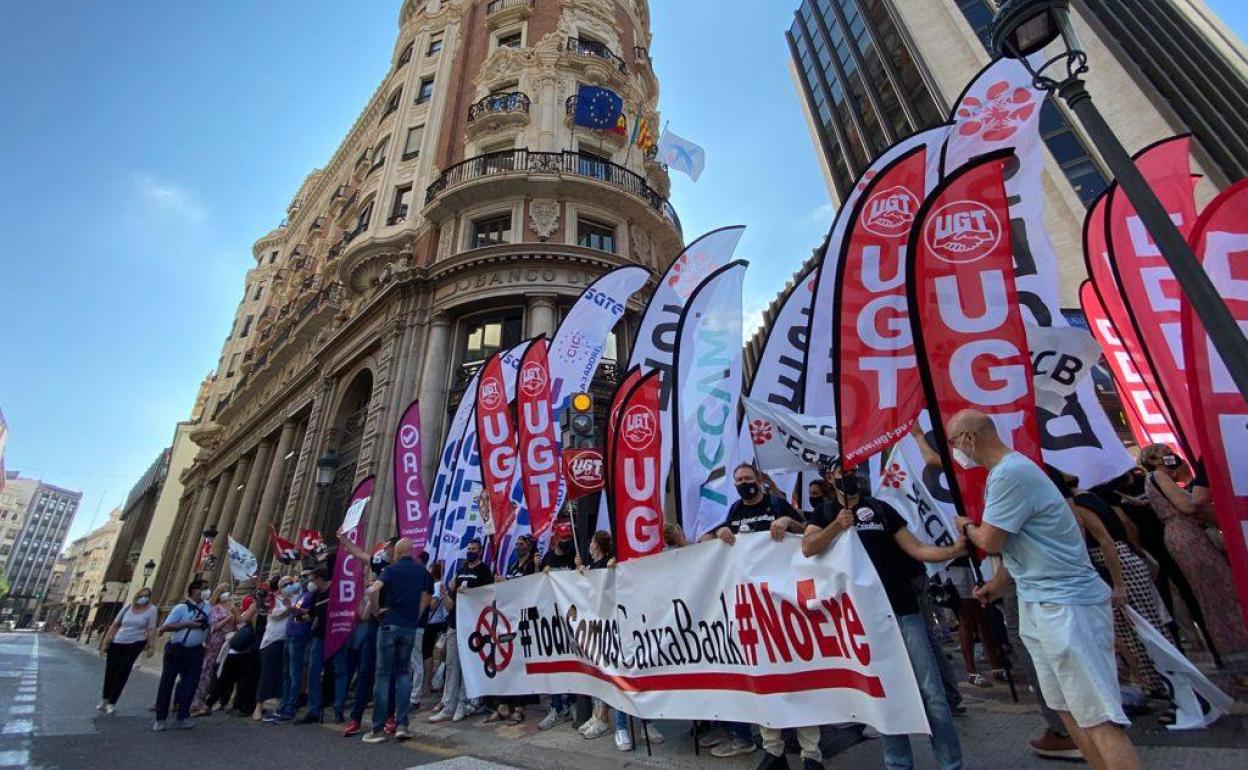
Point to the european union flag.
(597, 108)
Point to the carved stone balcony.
(595, 50)
(501, 13)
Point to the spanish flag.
(621, 126)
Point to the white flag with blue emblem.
(681, 155)
(242, 561)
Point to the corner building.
(462, 213)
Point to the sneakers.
(554, 718)
(310, 718)
(390, 726)
(159, 727)
(772, 762)
(460, 713)
(281, 719)
(373, 736)
(183, 724)
(733, 747)
(402, 734)
(656, 737)
(110, 709)
(623, 741)
(1053, 746)
(596, 730)
(441, 715)
(353, 729)
(812, 764)
(587, 724)
(100, 706)
(714, 738)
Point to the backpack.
(243, 639)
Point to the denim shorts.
(1072, 646)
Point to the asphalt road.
(49, 688)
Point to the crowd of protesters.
(1062, 565)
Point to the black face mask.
(849, 485)
(816, 501)
(747, 489)
(474, 556)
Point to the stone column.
(296, 508)
(241, 531)
(433, 387)
(225, 517)
(541, 315)
(272, 487)
(400, 374)
(207, 513)
(163, 587)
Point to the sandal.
(492, 718)
(977, 680)
(517, 717)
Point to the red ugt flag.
(635, 461)
(540, 466)
(496, 439)
(966, 320)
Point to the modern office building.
(463, 212)
(45, 518)
(872, 71)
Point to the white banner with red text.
(754, 632)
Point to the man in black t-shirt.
(561, 555)
(896, 555)
(319, 616)
(472, 574)
(756, 511)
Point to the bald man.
(1064, 607)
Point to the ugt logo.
(491, 392)
(963, 232)
(492, 640)
(533, 379)
(638, 428)
(890, 213)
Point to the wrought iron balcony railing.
(514, 101)
(586, 47)
(501, 5)
(522, 161)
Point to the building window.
(592, 164)
(511, 39)
(487, 336)
(411, 145)
(435, 44)
(392, 103)
(491, 231)
(366, 214)
(595, 235)
(246, 326)
(259, 291)
(406, 56)
(233, 365)
(425, 92)
(272, 257)
(379, 152)
(402, 200)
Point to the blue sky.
(145, 144)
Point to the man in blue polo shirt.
(402, 594)
(184, 655)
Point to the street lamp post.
(148, 569)
(326, 467)
(1024, 27)
(210, 561)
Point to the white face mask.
(142, 600)
(225, 597)
(962, 458)
(205, 594)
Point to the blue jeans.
(561, 702)
(316, 669)
(945, 745)
(359, 657)
(296, 656)
(394, 664)
(183, 665)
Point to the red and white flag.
(606, 511)
(540, 467)
(496, 439)
(205, 550)
(311, 541)
(967, 323)
(636, 459)
(284, 551)
(1151, 299)
(584, 471)
(1220, 240)
(878, 390)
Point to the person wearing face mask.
(272, 682)
(318, 615)
(133, 632)
(223, 621)
(298, 638)
(472, 573)
(187, 625)
(897, 556)
(756, 511)
(1065, 618)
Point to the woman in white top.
(133, 631)
(273, 646)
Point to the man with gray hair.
(1064, 607)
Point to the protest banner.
(754, 632)
(348, 575)
(410, 506)
(541, 471)
(638, 493)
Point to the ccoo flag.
(706, 399)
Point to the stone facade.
(462, 212)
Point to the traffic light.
(581, 420)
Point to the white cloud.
(754, 306)
(169, 197)
(823, 213)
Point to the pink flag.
(348, 585)
(410, 503)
